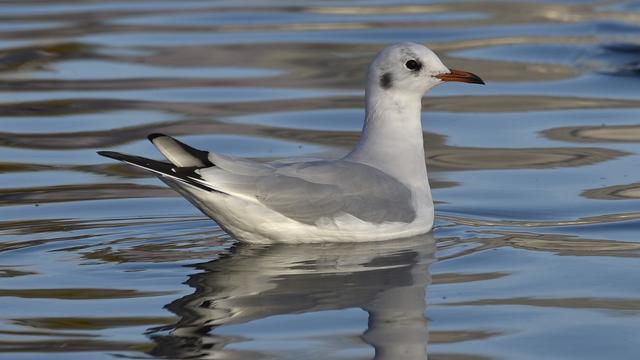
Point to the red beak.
(461, 76)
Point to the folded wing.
(309, 192)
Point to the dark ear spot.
(386, 80)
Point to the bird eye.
(413, 65)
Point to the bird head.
(413, 69)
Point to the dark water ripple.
(535, 178)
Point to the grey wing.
(308, 192)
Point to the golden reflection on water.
(559, 244)
(596, 134)
(600, 219)
(616, 192)
(378, 10)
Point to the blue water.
(535, 178)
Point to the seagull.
(378, 191)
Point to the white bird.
(378, 191)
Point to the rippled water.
(536, 179)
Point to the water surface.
(535, 176)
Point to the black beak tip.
(475, 79)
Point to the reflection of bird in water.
(386, 279)
(378, 191)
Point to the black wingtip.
(153, 136)
(185, 175)
(127, 158)
(109, 154)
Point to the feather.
(183, 175)
(178, 153)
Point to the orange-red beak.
(461, 76)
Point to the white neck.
(391, 139)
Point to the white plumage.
(378, 191)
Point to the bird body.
(378, 191)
